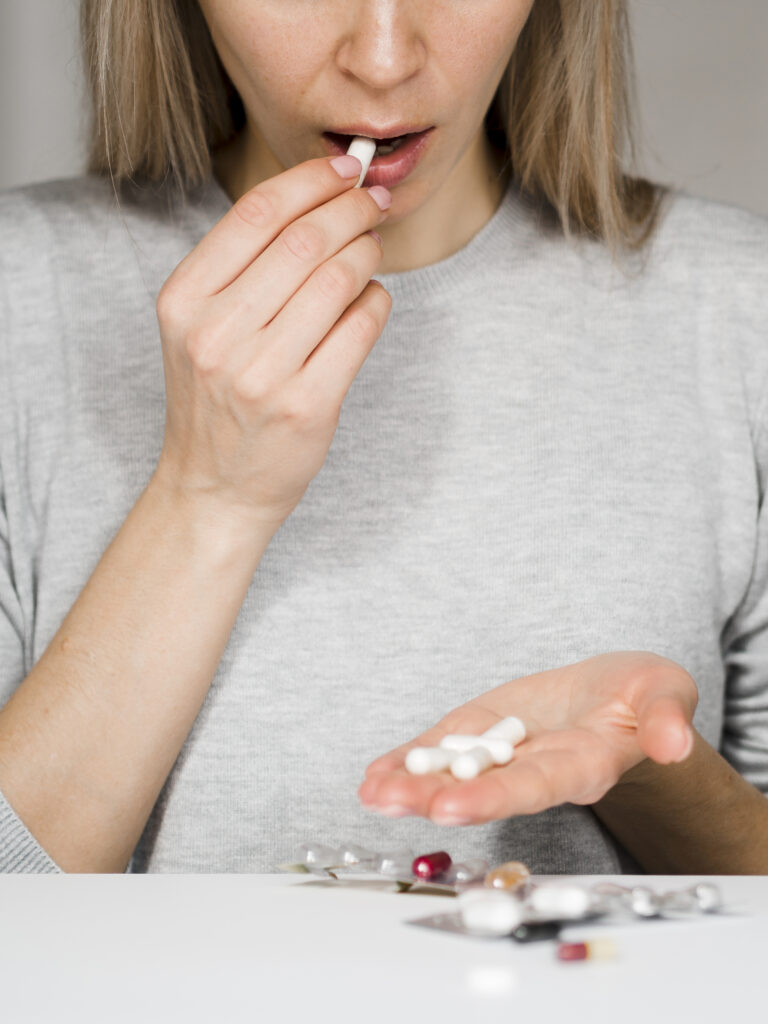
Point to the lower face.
(312, 74)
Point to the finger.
(300, 249)
(396, 793)
(325, 300)
(253, 222)
(664, 729)
(544, 779)
(335, 363)
(664, 701)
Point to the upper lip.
(372, 132)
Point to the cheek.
(259, 50)
(478, 48)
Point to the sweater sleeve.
(19, 850)
(745, 649)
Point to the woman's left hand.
(588, 725)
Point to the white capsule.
(469, 764)
(556, 900)
(466, 871)
(351, 853)
(501, 750)
(316, 855)
(364, 149)
(395, 863)
(420, 760)
(510, 728)
(489, 912)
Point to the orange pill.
(510, 876)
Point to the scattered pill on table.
(488, 913)
(510, 876)
(558, 900)
(597, 949)
(467, 871)
(431, 865)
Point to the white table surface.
(284, 948)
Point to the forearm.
(90, 736)
(696, 817)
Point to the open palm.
(588, 724)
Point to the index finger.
(257, 218)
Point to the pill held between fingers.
(420, 760)
(501, 750)
(469, 764)
(364, 149)
(509, 728)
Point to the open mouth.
(395, 159)
(383, 146)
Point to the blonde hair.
(161, 102)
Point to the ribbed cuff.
(20, 852)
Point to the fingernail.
(449, 819)
(377, 236)
(381, 196)
(688, 747)
(394, 811)
(347, 166)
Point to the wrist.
(209, 524)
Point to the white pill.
(488, 912)
(466, 871)
(421, 760)
(567, 902)
(469, 764)
(351, 853)
(501, 750)
(364, 149)
(316, 855)
(395, 863)
(511, 729)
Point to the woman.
(551, 453)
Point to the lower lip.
(392, 169)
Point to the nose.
(383, 45)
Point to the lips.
(391, 168)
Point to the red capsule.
(572, 951)
(431, 865)
(597, 949)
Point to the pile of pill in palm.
(467, 756)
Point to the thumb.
(664, 729)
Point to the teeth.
(388, 147)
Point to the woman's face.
(307, 69)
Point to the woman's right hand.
(264, 326)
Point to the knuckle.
(303, 240)
(253, 386)
(363, 325)
(254, 208)
(201, 351)
(336, 280)
(168, 305)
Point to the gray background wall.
(702, 90)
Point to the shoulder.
(714, 240)
(89, 218)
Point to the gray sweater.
(545, 457)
